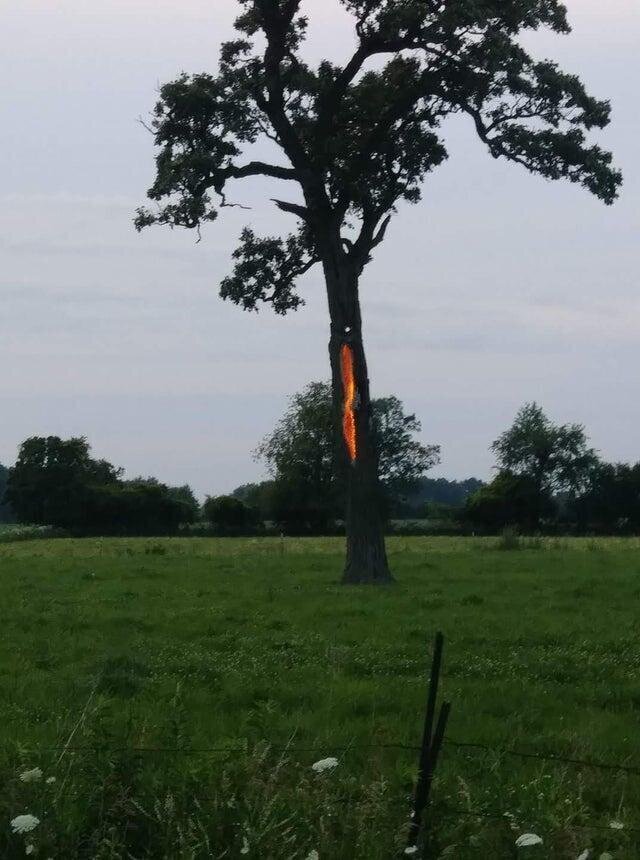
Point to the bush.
(228, 513)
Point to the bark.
(366, 557)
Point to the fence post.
(431, 746)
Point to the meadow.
(168, 698)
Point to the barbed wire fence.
(434, 739)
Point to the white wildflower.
(312, 855)
(412, 849)
(33, 775)
(616, 825)
(50, 780)
(325, 764)
(245, 845)
(528, 839)
(24, 823)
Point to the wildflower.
(412, 849)
(325, 764)
(24, 823)
(32, 775)
(245, 845)
(616, 825)
(50, 780)
(528, 839)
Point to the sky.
(497, 289)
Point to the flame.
(348, 410)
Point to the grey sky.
(498, 288)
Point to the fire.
(349, 405)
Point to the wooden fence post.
(430, 748)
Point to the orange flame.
(348, 411)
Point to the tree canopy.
(359, 137)
(556, 458)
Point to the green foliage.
(6, 514)
(55, 482)
(50, 481)
(537, 461)
(509, 500)
(611, 501)
(132, 508)
(555, 458)
(250, 647)
(300, 453)
(229, 513)
(359, 138)
(440, 491)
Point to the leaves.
(361, 137)
(266, 271)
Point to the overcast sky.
(497, 289)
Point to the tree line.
(548, 479)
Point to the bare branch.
(292, 208)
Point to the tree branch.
(292, 208)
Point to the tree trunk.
(366, 560)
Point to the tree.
(358, 139)
(552, 458)
(611, 501)
(49, 483)
(509, 500)
(229, 513)
(300, 452)
(56, 482)
(183, 496)
(6, 514)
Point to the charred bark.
(366, 557)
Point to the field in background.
(235, 664)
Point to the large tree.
(308, 489)
(357, 138)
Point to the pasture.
(178, 692)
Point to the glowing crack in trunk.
(349, 401)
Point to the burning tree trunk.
(366, 560)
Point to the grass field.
(250, 648)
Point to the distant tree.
(611, 501)
(138, 507)
(509, 500)
(183, 495)
(440, 491)
(257, 496)
(358, 139)
(309, 486)
(50, 481)
(6, 514)
(553, 458)
(229, 513)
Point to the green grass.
(251, 646)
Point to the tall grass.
(125, 663)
